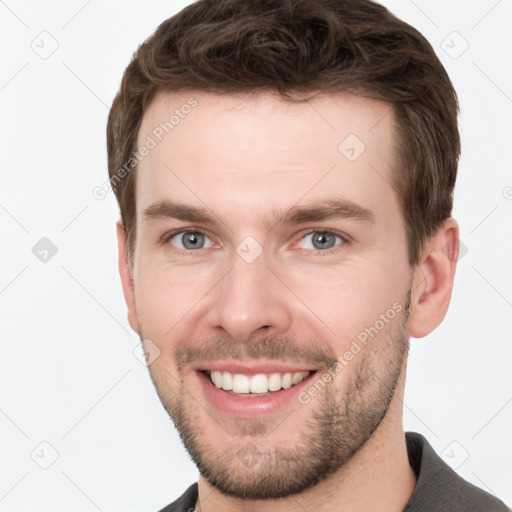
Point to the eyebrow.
(298, 214)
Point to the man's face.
(270, 241)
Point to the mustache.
(272, 348)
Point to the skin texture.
(247, 160)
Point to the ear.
(126, 277)
(433, 280)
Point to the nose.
(250, 299)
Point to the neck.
(377, 477)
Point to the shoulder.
(185, 503)
(439, 487)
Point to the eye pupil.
(192, 240)
(323, 240)
(320, 240)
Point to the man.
(285, 174)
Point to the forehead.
(253, 151)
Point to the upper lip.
(251, 368)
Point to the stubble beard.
(340, 423)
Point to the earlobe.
(125, 272)
(433, 280)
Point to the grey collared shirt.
(438, 489)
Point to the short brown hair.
(296, 47)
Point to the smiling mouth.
(259, 384)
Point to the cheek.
(166, 300)
(349, 299)
(166, 295)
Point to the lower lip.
(251, 407)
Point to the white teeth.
(227, 381)
(217, 378)
(297, 377)
(259, 383)
(274, 382)
(240, 383)
(287, 381)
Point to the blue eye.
(190, 240)
(320, 240)
(316, 240)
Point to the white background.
(68, 374)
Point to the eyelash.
(316, 252)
